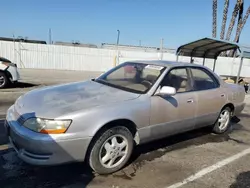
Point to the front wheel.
(223, 122)
(112, 150)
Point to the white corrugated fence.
(42, 56)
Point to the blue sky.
(97, 21)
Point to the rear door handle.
(190, 101)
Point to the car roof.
(167, 63)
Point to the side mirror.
(167, 90)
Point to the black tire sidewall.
(6, 80)
(216, 128)
(94, 154)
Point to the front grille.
(36, 156)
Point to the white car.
(8, 72)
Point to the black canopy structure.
(211, 48)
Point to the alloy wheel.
(224, 119)
(2, 81)
(113, 151)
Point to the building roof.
(22, 40)
(75, 44)
(136, 47)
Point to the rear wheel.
(4, 81)
(112, 150)
(223, 122)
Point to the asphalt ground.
(194, 159)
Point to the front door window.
(177, 78)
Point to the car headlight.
(47, 126)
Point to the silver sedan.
(101, 120)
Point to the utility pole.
(14, 48)
(50, 39)
(20, 52)
(162, 40)
(117, 44)
(118, 37)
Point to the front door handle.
(222, 95)
(190, 101)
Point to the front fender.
(90, 122)
(13, 73)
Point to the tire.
(222, 124)
(4, 81)
(106, 139)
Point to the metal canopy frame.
(211, 48)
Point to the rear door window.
(203, 80)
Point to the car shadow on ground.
(242, 180)
(24, 84)
(158, 148)
(21, 85)
(15, 173)
(244, 115)
(3, 138)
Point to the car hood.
(55, 101)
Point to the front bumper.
(40, 149)
(15, 75)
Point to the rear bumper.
(38, 149)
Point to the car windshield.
(133, 77)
